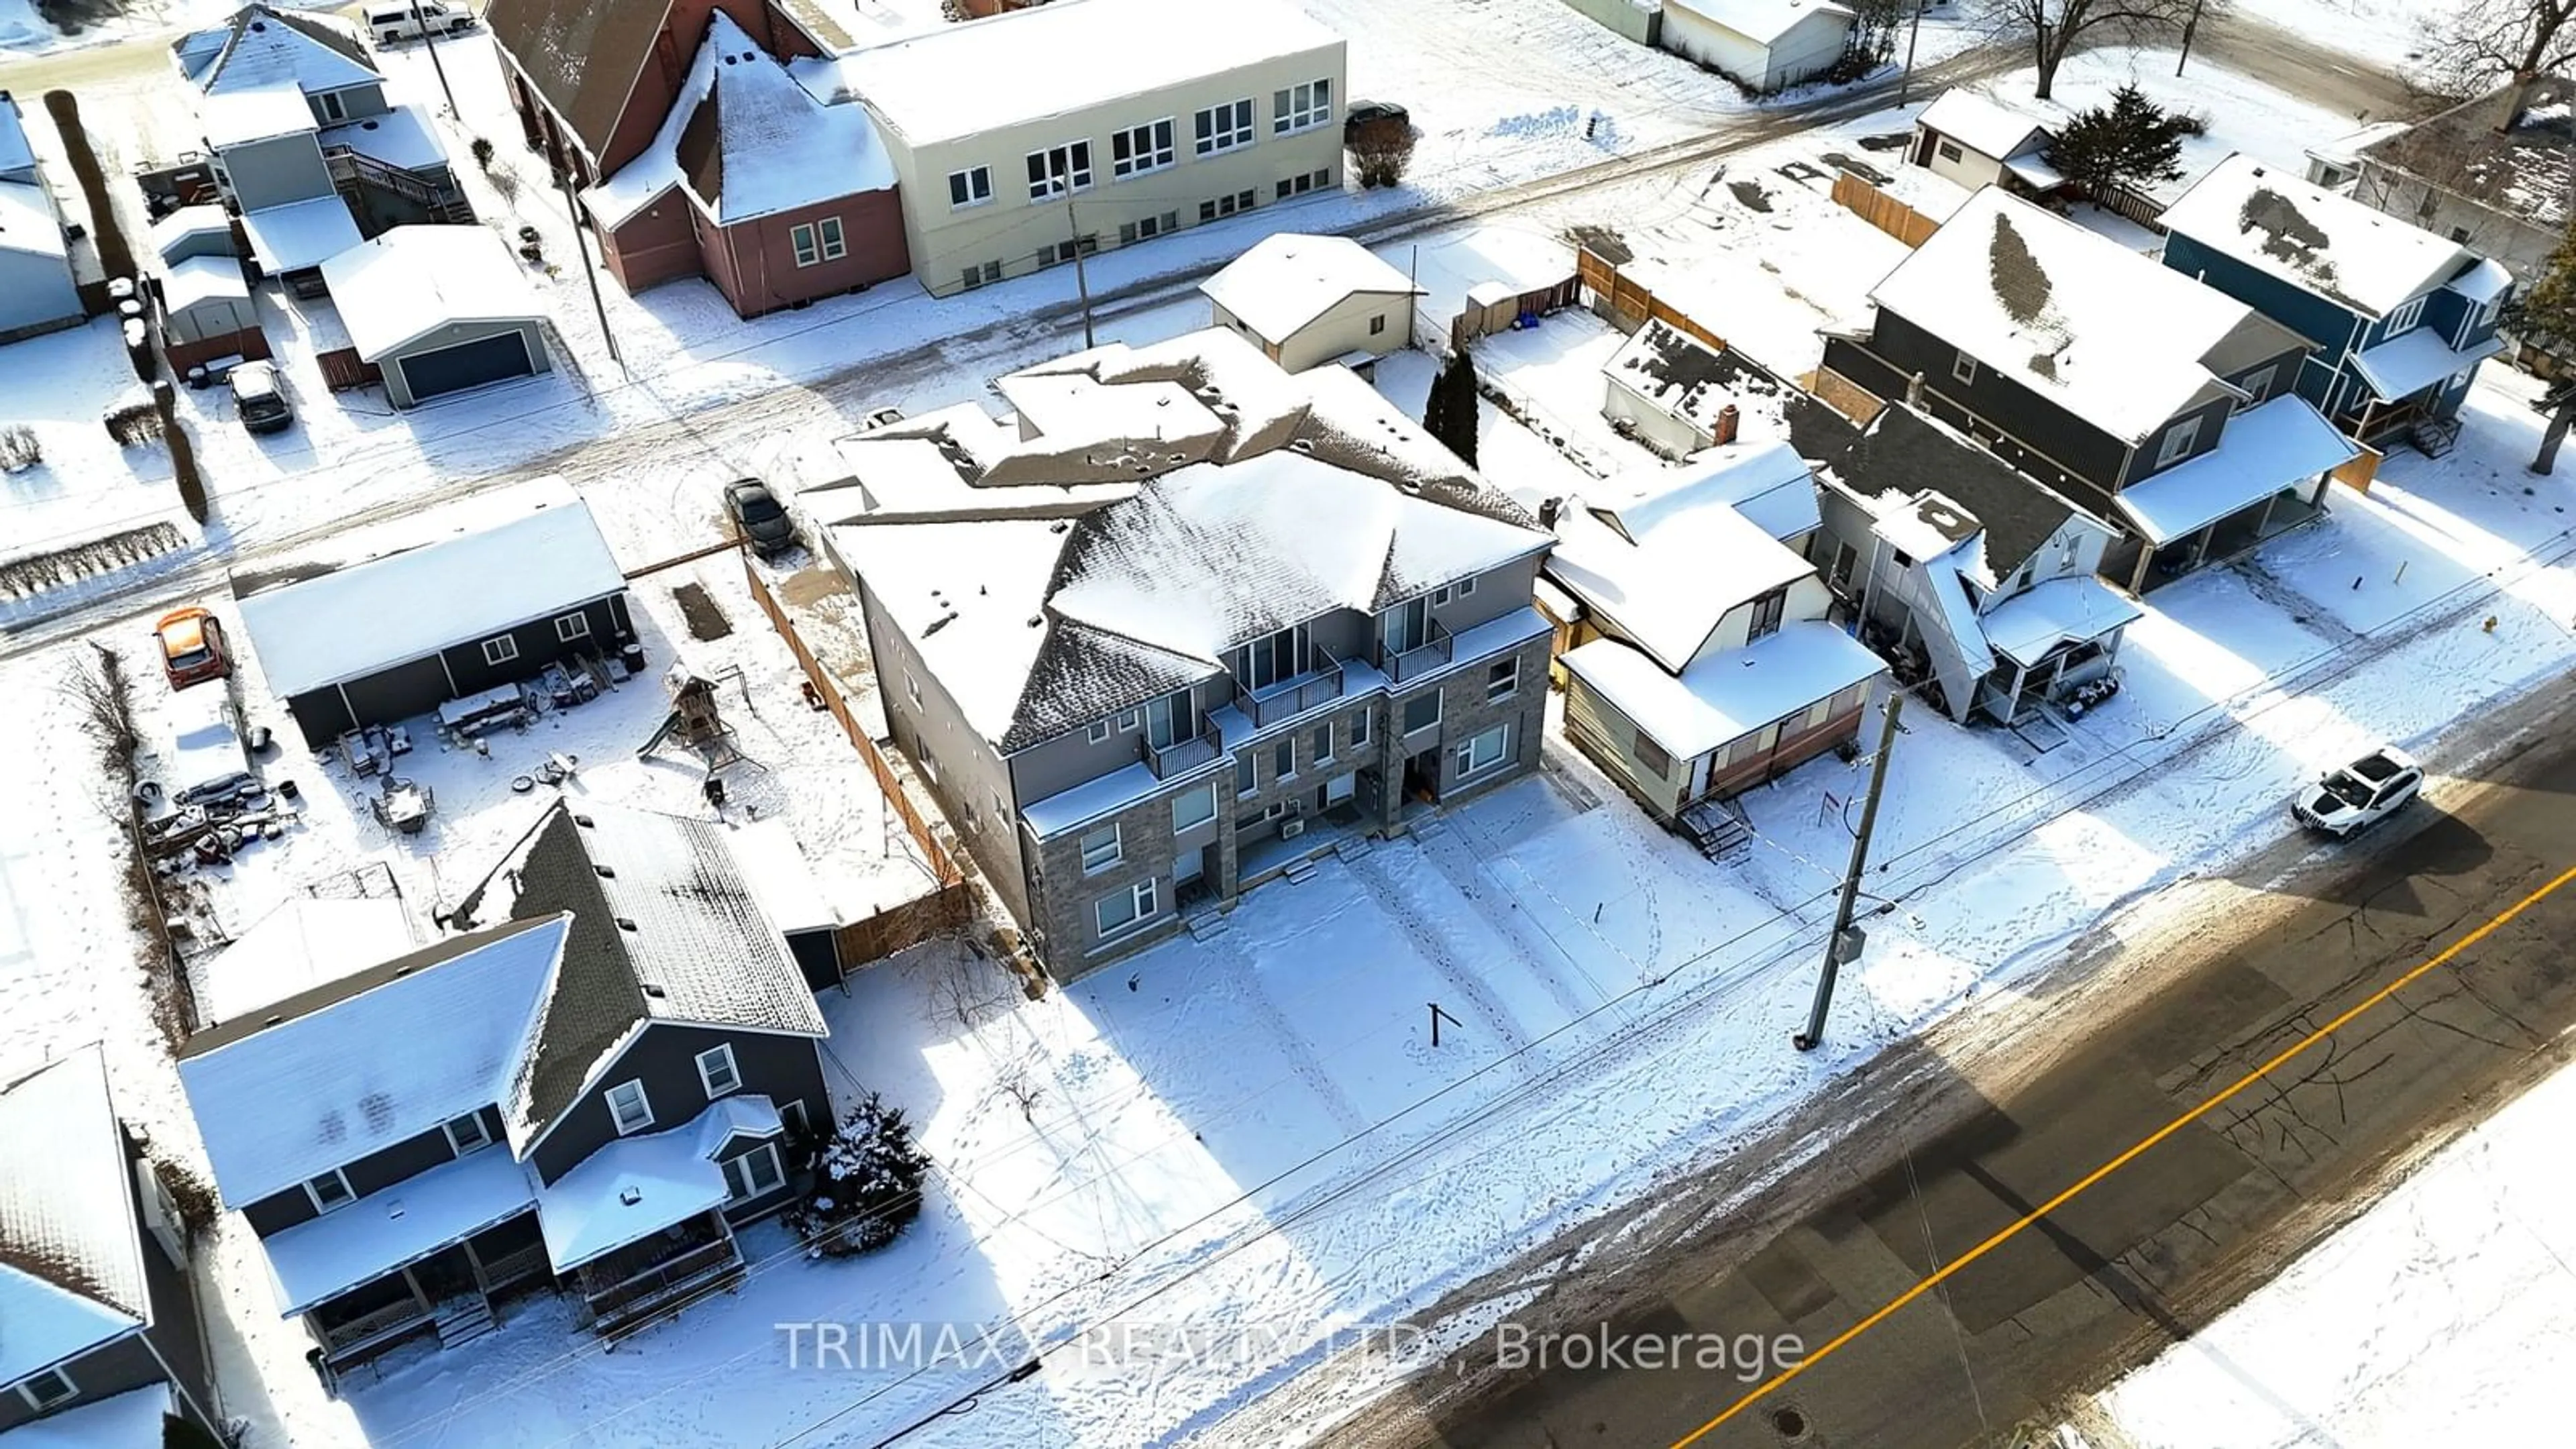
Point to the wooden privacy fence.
(943, 866)
(2358, 473)
(1632, 302)
(1881, 210)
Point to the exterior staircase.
(1718, 827)
(354, 172)
(463, 1319)
(2434, 436)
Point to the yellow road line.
(2006, 1234)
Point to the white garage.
(438, 309)
(1768, 45)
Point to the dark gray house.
(589, 1090)
(2167, 408)
(526, 583)
(98, 1321)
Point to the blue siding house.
(2400, 318)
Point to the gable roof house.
(1189, 622)
(1763, 45)
(2165, 406)
(587, 1088)
(2495, 173)
(1665, 388)
(38, 292)
(98, 1317)
(1306, 300)
(307, 150)
(1977, 141)
(2400, 318)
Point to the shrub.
(867, 1183)
(19, 450)
(1382, 152)
(183, 467)
(482, 149)
(134, 422)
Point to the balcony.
(1320, 684)
(1180, 755)
(369, 1329)
(633, 1287)
(1432, 653)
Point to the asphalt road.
(1958, 1142)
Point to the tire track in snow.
(1373, 876)
(1222, 952)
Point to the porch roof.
(2263, 451)
(2407, 365)
(1729, 696)
(637, 1186)
(2076, 609)
(299, 234)
(318, 1260)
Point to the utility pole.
(1913, 32)
(423, 23)
(2188, 26)
(1081, 277)
(581, 249)
(1845, 943)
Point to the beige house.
(1022, 140)
(1306, 300)
(1974, 141)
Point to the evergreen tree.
(2132, 141)
(1450, 413)
(2545, 316)
(866, 1185)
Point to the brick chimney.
(1727, 422)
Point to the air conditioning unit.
(1292, 827)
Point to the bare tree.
(2055, 29)
(2485, 43)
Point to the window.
(629, 1108)
(1359, 729)
(1950, 151)
(1466, 586)
(569, 627)
(1170, 718)
(970, 188)
(1148, 226)
(467, 1133)
(1059, 171)
(2405, 317)
(1195, 808)
(808, 249)
(1422, 711)
(1440, 596)
(2459, 233)
(716, 1071)
(754, 1173)
(1271, 658)
(1651, 757)
(501, 650)
(1283, 760)
(330, 1190)
(47, 1389)
(1377, 323)
(1964, 368)
(1767, 613)
(983, 276)
(1502, 679)
(792, 1112)
(1140, 149)
(1406, 626)
(1301, 107)
(2178, 442)
(1123, 910)
(1300, 185)
(1227, 205)
(1484, 750)
(1320, 744)
(1057, 253)
(1223, 128)
(1245, 774)
(912, 686)
(332, 108)
(1100, 849)
(1128, 719)
(2258, 386)
(835, 246)
(1097, 731)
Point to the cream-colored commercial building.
(1093, 123)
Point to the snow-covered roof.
(1676, 372)
(1760, 21)
(135, 1419)
(2409, 363)
(1981, 123)
(1289, 279)
(2351, 254)
(300, 234)
(71, 1255)
(28, 223)
(2034, 170)
(358, 1064)
(323, 1257)
(782, 881)
(203, 219)
(1727, 696)
(2264, 450)
(2345, 150)
(258, 47)
(1903, 456)
(1067, 58)
(640, 1185)
(302, 944)
(2076, 608)
(1765, 480)
(16, 153)
(186, 283)
(748, 141)
(413, 280)
(2109, 335)
(2525, 171)
(2483, 282)
(238, 117)
(440, 588)
(401, 137)
(1494, 261)
(1667, 588)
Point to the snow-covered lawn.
(2388, 33)
(2440, 1316)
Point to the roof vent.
(1059, 526)
(259, 25)
(584, 821)
(273, 1021)
(626, 923)
(604, 872)
(1303, 445)
(630, 1194)
(1037, 621)
(654, 989)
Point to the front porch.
(2267, 476)
(452, 1293)
(2058, 643)
(625, 1291)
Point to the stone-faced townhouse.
(2399, 316)
(1193, 621)
(99, 1335)
(588, 1089)
(2169, 408)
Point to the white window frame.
(974, 185)
(800, 239)
(2177, 442)
(1501, 734)
(1222, 128)
(1279, 776)
(1129, 719)
(1060, 170)
(747, 1189)
(2404, 319)
(572, 626)
(1301, 107)
(334, 110)
(835, 238)
(1466, 586)
(42, 1402)
(982, 274)
(500, 649)
(1205, 792)
(1143, 904)
(1508, 684)
(719, 1055)
(2258, 383)
(793, 1113)
(334, 1175)
(1148, 148)
(1963, 370)
(643, 1105)
(482, 1135)
(1093, 860)
(1247, 775)
(1322, 734)
(1096, 731)
(1950, 151)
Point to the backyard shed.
(440, 614)
(438, 309)
(1305, 300)
(1766, 45)
(207, 312)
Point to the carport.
(438, 310)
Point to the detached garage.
(438, 309)
(1766, 45)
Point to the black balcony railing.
(1169, 760)
(1320, 684)
(1432, 653)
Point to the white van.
(394, 20)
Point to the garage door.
(467, 364)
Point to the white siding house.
(1767, 45)
(36, 289)
(1305, 300)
